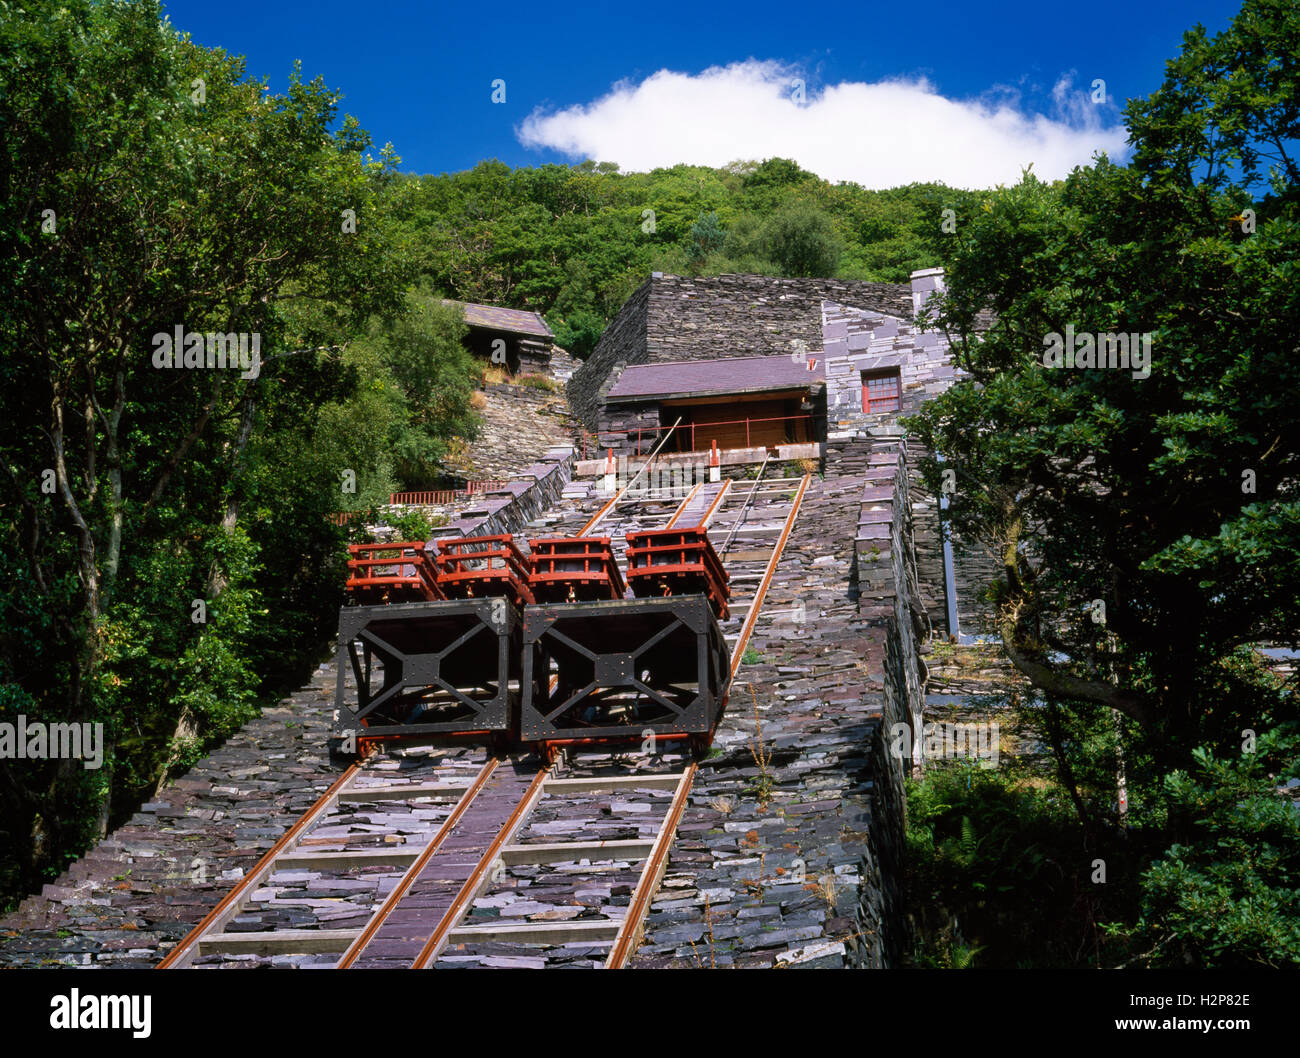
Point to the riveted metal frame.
(596, 670)
(458, 656)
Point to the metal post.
(1121, 776)
(949, 565)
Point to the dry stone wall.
(888, 599)
(857, 339)
(561, 365)
(927, 543)
(975, 568)
(623, 342)
(790, 851)
(848, 451)
(673, 318)
(722, 317)
(520, 423)
(628, 428)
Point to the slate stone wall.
(507, 510)
(561, 365)
(519, 424)
(808, 875)
(855, 340)
(673, 318)
(721, 317)
(626, 425)
(534, 356)
(887, 581)
(926, 540)
(975, 567)
(623, 342)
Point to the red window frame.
(882, 391)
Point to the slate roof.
(516, 321)
(673, 318)
(735, 375)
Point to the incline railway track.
(433, 855)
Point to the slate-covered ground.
(155, 877)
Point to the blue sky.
(891, 91)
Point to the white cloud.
(880, 135)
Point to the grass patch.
(541, 382)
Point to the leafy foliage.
(418, 377)
(167, 553)
(1227, 893)
(413, 525)
(801, 240)
(572, 242)
(1165, 502)
(1169, 498)
(1000, 854)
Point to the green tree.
(1225, 895)
(707, 235)
(147, 184)
(1160, 501)
(801, 240)
(1148, 520)
(418, 363)
(773, 183)
(573, 242)
(1228, 103)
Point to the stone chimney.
(924, 283)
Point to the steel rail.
(595, 519)
(684, 504)
(656, 862)
(480, 875)
(756, 603)
(600, 514)
(629, 933)
(183, 954)
(740, 516)
(416, 868)
(713, 507)
(654, 452)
